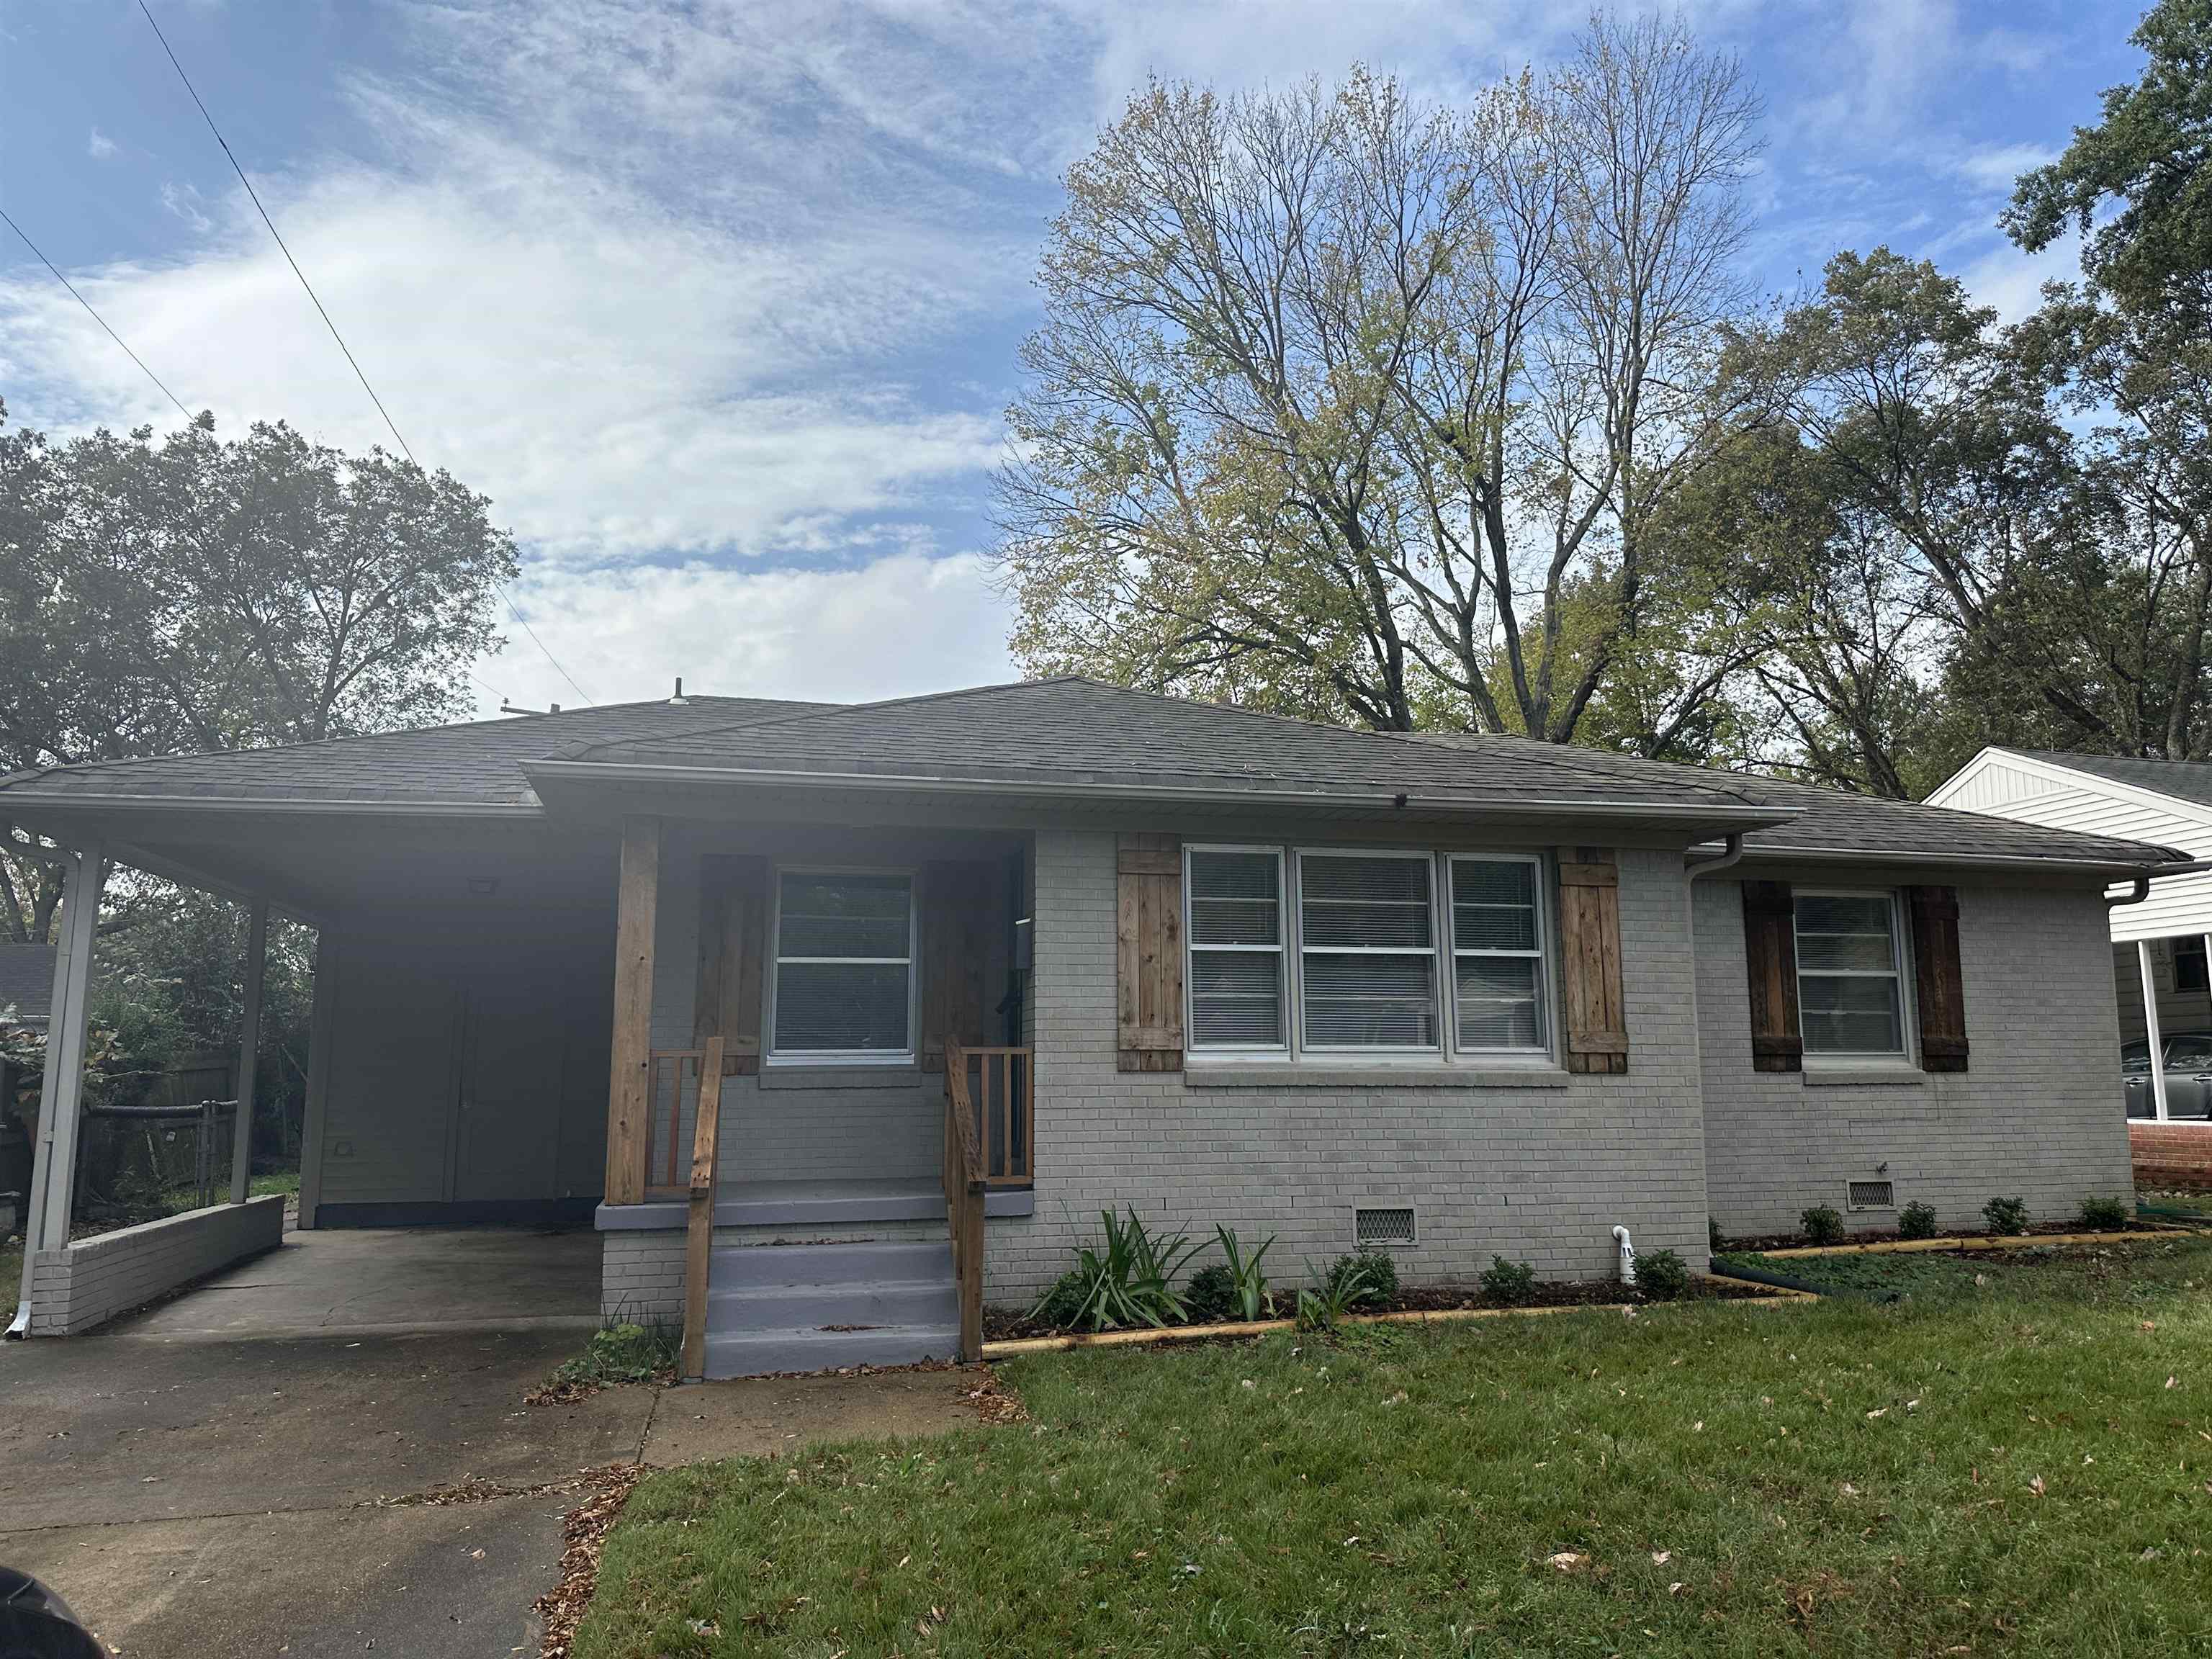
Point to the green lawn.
(1991, 1466)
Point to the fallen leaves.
(584, 1532)
(1567, 1561)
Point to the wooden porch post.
(321, 1012)
(249, 1048)
(629, 1095)
(61, 1093)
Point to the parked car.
(37, 1624)
(2188, 1076)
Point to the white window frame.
(1545, 1014)
(1441, 1049)
(773, 1055)
(1281, 949)
(1900, 957)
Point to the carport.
(460, 1030)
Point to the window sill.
(1894, 1074)
(798, 1075)
(1201, 1075)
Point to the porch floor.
(814, 1201)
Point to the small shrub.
(1510, 1282)
(2106, 1214)
(1822, 1224)
(1917, 1220)
(1713, 1239)
(1376, 1269)
(1661, 1275)
(1128, 1280)
(1211, 1296)
(2007, 1216)
(1352, 1282)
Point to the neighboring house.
(2159, 936)
(1458, 997)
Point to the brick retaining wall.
(2173, 1155)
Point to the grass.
(11, 1273)
(618, 1352)
(2000, 1467)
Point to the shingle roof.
(477, 763)
(1081, 732)
(26, 984)
(1836, 820)
(2189, 780)
(1065, 734)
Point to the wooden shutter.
(733, 953)
(958, 906)
(1148, 953)
(1942, 1003)
(1589, 960)
(1770, 953)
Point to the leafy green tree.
(2146, 170)
(189, 593)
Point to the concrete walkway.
(190, 1491)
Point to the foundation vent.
(1383, 1230)
(1874, 1196)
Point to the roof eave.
(1747, 816)
(355, 806)
(2016, 861)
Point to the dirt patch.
(995, 1403)
(583, 1536)
(1765, 1241)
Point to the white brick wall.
(642, 1276)
(1532, 1173)
(93, 1280)
(2036, 1114)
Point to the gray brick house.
(992, 960)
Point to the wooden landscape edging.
(1975, 1242)
(1008, 1348)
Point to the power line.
(513, 610)
(95, 316)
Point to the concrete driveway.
(191, 1490)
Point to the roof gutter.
(2020, 861)
(2142, 890)
(578, 771)
(349, 808)
(1705, 864)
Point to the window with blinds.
(1236, 898)
(1850, 975)
(844, 965)
(1497, 954)
(1367, 955)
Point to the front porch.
(802, 1176)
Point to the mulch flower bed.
(1890, 1236)
(1008, 1324)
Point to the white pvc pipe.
(1627, 1254)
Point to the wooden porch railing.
(699, 1233)
(670, 1073)
(964, 1186)
(1003, 1096)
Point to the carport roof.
(1066, 737)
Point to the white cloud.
(2012, 280)
(896, 627)
(1995, 167)
(99, 146)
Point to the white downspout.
(1628, 1256)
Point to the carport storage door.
(508, 1132)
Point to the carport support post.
(629, 1092)
(249, 1050)
(2150, 1027)
(61, 1093)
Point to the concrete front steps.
(808, 1307)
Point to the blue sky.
(719, 303)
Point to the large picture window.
(844, 965)
(1850, 973)
(1497, 954)
(1367, 950)
(1235, 948)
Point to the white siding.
(2039, 792)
